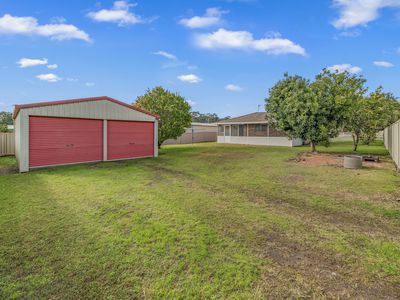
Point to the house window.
(261, 128)
(235, 130)
(227, 131)
(220, 130)
(242, 130)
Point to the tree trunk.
(356, 139)
(312, 144)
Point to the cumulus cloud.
(345, 68)
(31, 62)
(119, 13)
(191, 103)
(29, 26)
(360, 12)
(166, 55)
(244, 40)
(191, 78)
(212, 17)
(50, 77)
(383, 64)
(89, 84)
(52, 66)
(233, 88)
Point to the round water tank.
(352, 162)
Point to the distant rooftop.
(250, 118)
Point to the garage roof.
(19, 107)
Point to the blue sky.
(222, 56)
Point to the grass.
(201, 221)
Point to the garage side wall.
(21, 123)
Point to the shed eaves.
(38, 104)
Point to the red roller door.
(55, 141)
(127, 139)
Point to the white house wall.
(258, 140)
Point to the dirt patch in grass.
(8, 170)
(313, 271)
(323, 159)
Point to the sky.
(222, 55)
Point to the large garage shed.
(82, 130)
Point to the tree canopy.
(371, 114)
(5, 119)
(173, 109)
(293, 106)
(204, 117)
(316, 111)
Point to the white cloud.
(384, 64)
(119, 14)
(345, 68)
(29, 26)
(360, 12)
(191, 78)
(244, 40)
(212, 17)
(50, 77)
(31, 62)
(166, 55)
(89, 84)
(191, 103)
(53, 66)
(233, 88)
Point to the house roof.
(38, 104)
(257, 117)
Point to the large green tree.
(204, 118)
(315, 111)
(292, 105)
(173, 109)
(337, 92)
(372, 114)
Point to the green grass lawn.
(202, 221)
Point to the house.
(82, 130)
(253, 129)
(196, 133)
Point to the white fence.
(7, 143)
(392, 141)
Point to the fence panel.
(392, 141)
(7, 143)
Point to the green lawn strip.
(275, 177)
(325, 204)
(344, 146)
(194, 223)
(130, 235)
(7, 161)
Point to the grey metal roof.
(250, 118)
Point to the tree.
(5, 119)
(293, 106)
(204, 118)
(371, 114)
(338, 92)
(383, 110)
(173, 109)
